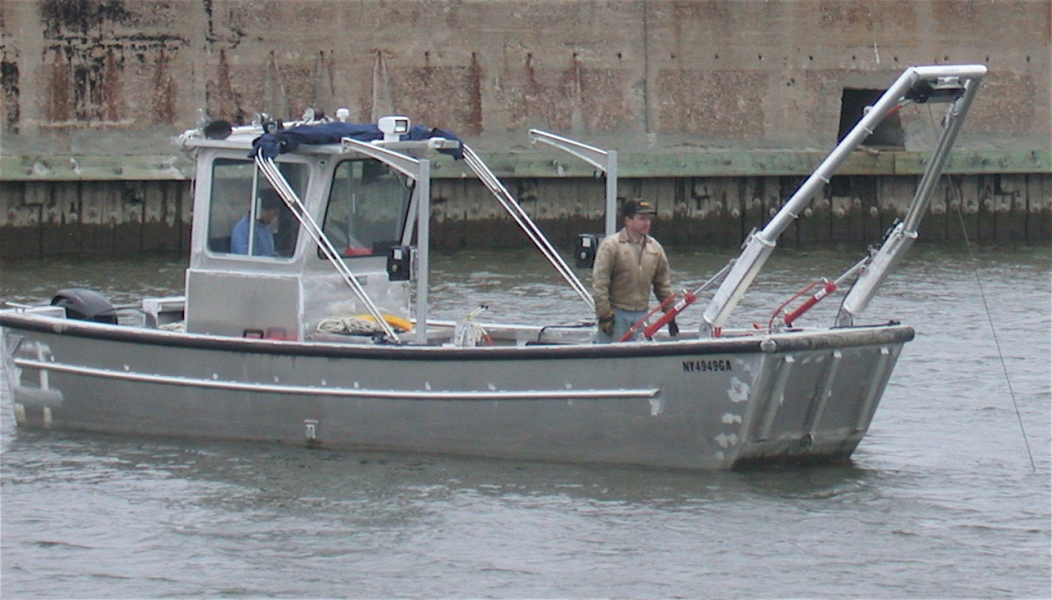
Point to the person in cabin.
(627, 266)
(263, 243)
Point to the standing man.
(628, 265)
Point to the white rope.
(989, 318)
(349, 325)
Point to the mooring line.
(989, 318)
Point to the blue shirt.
(263, 244)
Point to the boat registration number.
(703, 366)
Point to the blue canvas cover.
(269, 145)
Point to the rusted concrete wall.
(641, 74)
(697, 97)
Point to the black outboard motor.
(85, 305)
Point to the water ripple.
(939, 501)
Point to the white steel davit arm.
(916, 84)
(902, 236)
(604, 160)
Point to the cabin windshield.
(262, 228)
(366, 214)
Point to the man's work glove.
(673, 329)
(606, 324)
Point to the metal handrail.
(343, 392)
(295, 205)
(523, 220)
(604, 160)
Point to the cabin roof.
(270, 141)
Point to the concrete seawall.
(717, 108)
(129, 217)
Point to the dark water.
(940, 500)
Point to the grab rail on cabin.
(295, 205)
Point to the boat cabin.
(314, 230)
(255, 271)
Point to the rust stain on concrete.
(474, 124)
(109, 87)
(9, 93)
(221, 99)
(58, 106)
(163, 105)
(714, 104)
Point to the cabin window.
(368, 203)
(237, 225)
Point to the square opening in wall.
(852, 104)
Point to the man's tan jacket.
(625, 272)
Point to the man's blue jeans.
(623, 321)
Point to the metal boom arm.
(902, 236)
(915, 84)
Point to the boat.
(321, 336)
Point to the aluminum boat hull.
(801, 396)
